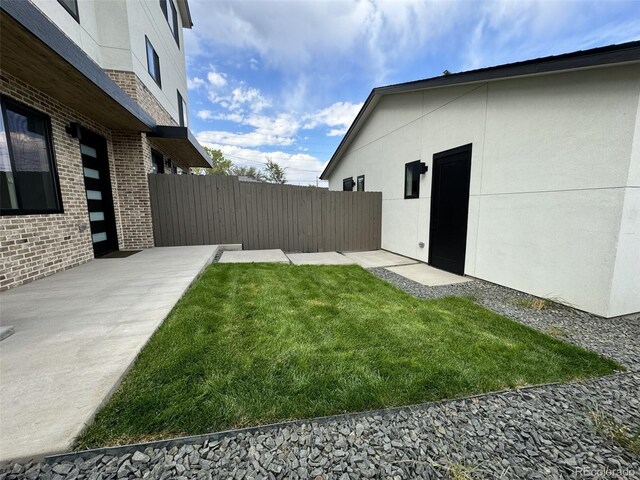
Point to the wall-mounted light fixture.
(73, 130)
(423, 168)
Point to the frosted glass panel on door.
(94, 194)
(99, 237)
(96, 216)
(91, 173)
(89, 151)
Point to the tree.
(274, 172)
(251, 172)
(220, 164)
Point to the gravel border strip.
(534, 433)
(196, 439)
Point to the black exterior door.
(95, 166)
(450, 209)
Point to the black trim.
(180, 133)
(163, 7)
(174, 21)
(610, 54)
(416, 167)
(186, 7)
(35, 22)
(358, 183)
(103, 184)
(443, 230)
(155, 60)
(347, 184)
(182, 115)
(76, 14)
(4, 100)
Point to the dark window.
(153, 63)
(347, 184)
(157, 162)
(182, 111)
(71, 6)
(412, 172)
(171, 14)
(172, 167)
(360, 183)
(163, 6)
(173, 23)
(28, 179)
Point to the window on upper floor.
(71, 6)
(171, 14)
(28, 179)
(153, 63)
(360, 183)
(182, 111)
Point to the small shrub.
(610, 428)
(556, 332)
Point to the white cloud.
(292, 35)
(194, 83)
(217, 79)
(302, 168)
(250, 98)
(249, 139)
(340, 115)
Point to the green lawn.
(252, 344)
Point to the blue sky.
(284, 79)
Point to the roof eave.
(598, 57)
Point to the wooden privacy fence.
(213, 210)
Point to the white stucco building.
(537, 168)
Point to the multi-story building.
(94, 98)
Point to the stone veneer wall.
(33, 246)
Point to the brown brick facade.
(130, 83)
(33, 246)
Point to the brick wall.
(137, 90)
(33, 246)
(132, 159)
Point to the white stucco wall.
(553, 208)
(113, 33)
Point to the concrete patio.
(76, 334)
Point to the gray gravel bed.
(537, 433)
(617, 338)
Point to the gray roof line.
(610, 54)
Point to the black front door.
(450, 209)
(95, 165)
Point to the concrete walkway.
(427, 275)
(378, 258)
(320, 258)
(254, 256)
(76, 334)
